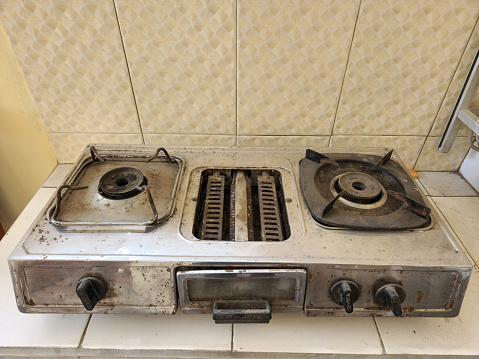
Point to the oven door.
(241, 295)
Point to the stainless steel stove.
(240, 233)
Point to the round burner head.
(359, 185)
(362, 190)
(121, 183)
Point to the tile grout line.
(445, 93)
(380, 337)
(80, 343)
(233, 134)
(129, 133)
(236, 73)
(129, 73)
(344, 75)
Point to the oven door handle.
(241, 311)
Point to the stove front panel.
(428, 291)
(130, 288)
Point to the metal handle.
(241, 311)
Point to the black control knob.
(90, 290)
(345, 293)
(390, 296)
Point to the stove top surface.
(308, 241)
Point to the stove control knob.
(345, 293)
(90, 290)
(391, 296)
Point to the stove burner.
(362, 190)
(121, 183)
(359, 185)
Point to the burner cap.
(362, 190)
(121, 183)
(359, 185)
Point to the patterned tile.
(68, 146)
(181, 55)
(454, 89)
(189, 140)
(71, 56)
(407, 147)
(403, 58)
(431, 159)
(283, 141)
(291, 61)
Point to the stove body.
(186, 258)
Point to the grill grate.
(212, 225)
(269, 209)
(241, 205)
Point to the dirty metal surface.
(212, 226)
(139, 269)
(255, 210)
(269, 209)
(116, 193)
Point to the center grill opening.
(241, 205)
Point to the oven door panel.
(283, 289)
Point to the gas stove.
(240, 233)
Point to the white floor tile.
(153, 332)
(436, 336)
(446, 184)
(26, 331)
(296, 333)
(58, 175)
(462, 213)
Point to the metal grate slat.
(269, 209)
(212, 226)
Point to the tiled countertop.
(286, 336)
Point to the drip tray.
(241, 205)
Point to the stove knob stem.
(90, 290)
(391, 296)
(345, 293)
(393, 301)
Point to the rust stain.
(419, 296)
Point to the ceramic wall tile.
(68, 146)
(291, 61)
(181, 55)
(402, 60)
(431, 159)
(190, 140)
(455, 86)
(72, 59)
(283, 141)
(408, 147)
